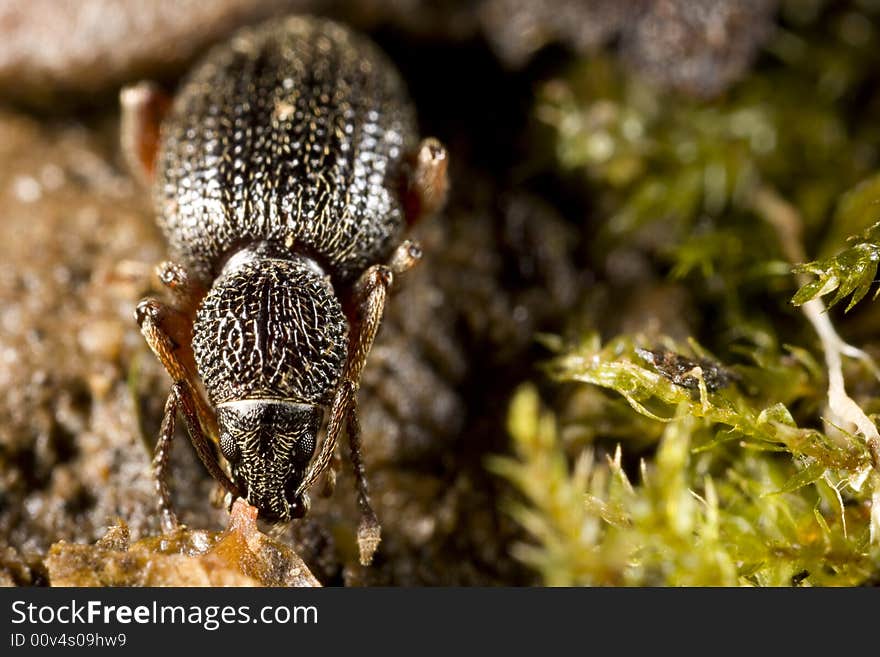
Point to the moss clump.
(743, 450)
(684, 182)
(734, 492)
(849, 273)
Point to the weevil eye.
(229, 448)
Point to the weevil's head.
(269, 445)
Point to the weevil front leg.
(372, 291)
(186, 398)
(369, 529)
(166, 331)
(370, 294)
(162, 452)
(186, 292)
(143, 105)
(177, 402)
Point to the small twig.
(840, 403)
(786, 220)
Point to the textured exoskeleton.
(285, 173)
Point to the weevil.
(285, 171)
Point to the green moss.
(735, 493)
(747, 453)
(679, 178)
(850, 273)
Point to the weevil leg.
(167, 517)
(369, 531)
(370, 293)
(144, 105)
(185, 291)
(338, 409)
(167, 332)
(178, 400)
(427, 182)
(405, 257)
(202, 443)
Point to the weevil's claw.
(369, 536)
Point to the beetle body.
(293, 134)
(285, 173)
(270, 341)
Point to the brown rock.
(239, 556)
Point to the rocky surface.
(55, 54)
(239, 556)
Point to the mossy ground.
(633, 461)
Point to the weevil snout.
(268, 444)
